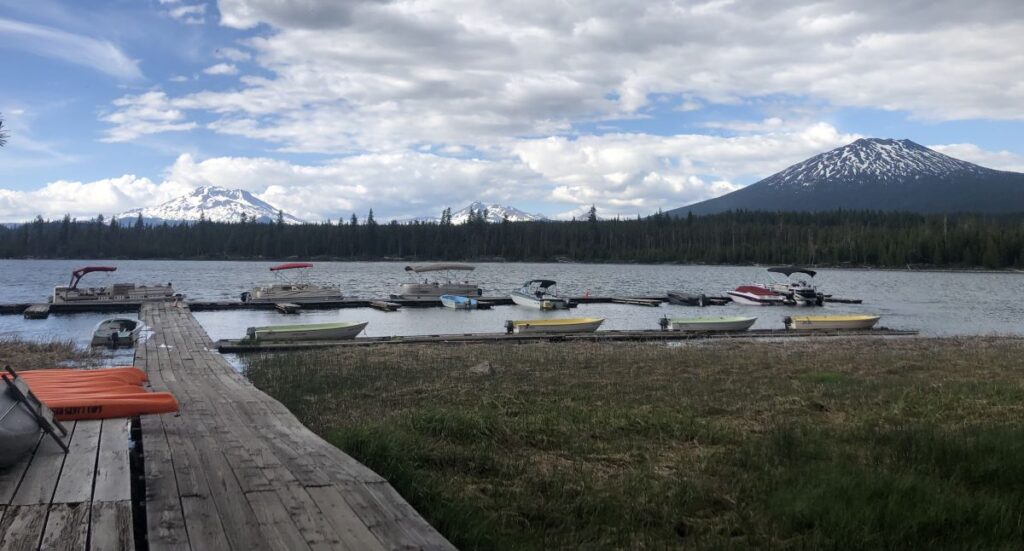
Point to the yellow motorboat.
(554, 325)
(843, 321)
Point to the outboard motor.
(509, 326)
(246, 296)
(663, 322)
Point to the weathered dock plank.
(236, 470)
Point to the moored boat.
(428, 289)
(719, 323)
(798, 291)
(306, 332)
(841, 321)
(555, 325)
(115, 332)
(459, 302)
(540, 293)
(115, 293)
(683, 298)
(755, 295)
(293, 289)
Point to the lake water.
(936, 303)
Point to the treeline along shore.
(840, 238)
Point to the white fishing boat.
(555, 325)
(432, 289)
(540, 293)
(306, 332)
(842, 321)
(720, 323)
(116, 332)
(115, 293)
(293, 289)
(459, 303)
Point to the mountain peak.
(213, 203)
(877, 174)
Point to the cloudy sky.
(328, 107)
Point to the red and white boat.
(756, 295)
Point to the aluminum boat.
(555, 325)
(307, 332)
(842, 321)
(721, 323)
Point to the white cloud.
(83, 200)
(190, 14)
(999, 160)
(221, 69)
(233, 54)
(178, 78)
(361, 74)
(139, 115)
(100, 55)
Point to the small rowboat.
(459, 302)
(851, 321)
(307, 332)
(116, 332)
(557, 325)
(721, 323)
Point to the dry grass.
(796, 444)
(24, 354)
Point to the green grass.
(860, 444)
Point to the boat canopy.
(439, 267)
(76, 275)
(543, 283)
(790, 270)
(290, 266)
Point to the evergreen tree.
(139, 224)
(3, 132)
(369, 219)
(353, 221)
(592, 214)
(280, 217)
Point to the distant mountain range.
(219, 204)
(877, 174)
(495, 213)
(214, 203)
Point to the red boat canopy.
(76, 275)
(291, 266)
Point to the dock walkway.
(233, 470)
(236, 470)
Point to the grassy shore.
(908, 443)
(24, 354)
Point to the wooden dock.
(81, 500)
(653, 335)
(236, 470)
(233, 470)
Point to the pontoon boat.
(293, 290)
(433, 289)
(116, 293)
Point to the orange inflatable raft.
(75, 394)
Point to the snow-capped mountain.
(495, 213)
(215, 203)
(877, 174)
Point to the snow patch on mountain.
(215, 204)
(878, 159)
(495, 213)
